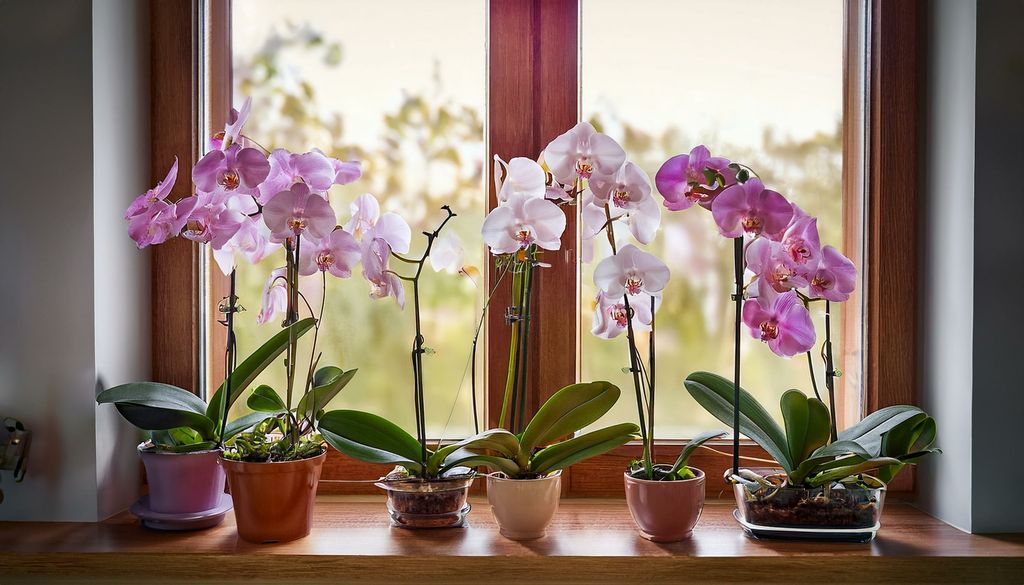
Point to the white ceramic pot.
(524, 508)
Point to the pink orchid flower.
(214, 219)
(521, 176)
(159, 222)
(383, 282)
(610, 316)
(580, 152)
(147, 200)
(275, 296)
(251, 241)
(523, 221)
(678, 176)
(231, 171)
(312, 168)
(801, 242)
(232, 133)
(367, 224)
(631, 271)
(337, 254)
(771, 262)
(752, 209)
(298, 212)
(835, 278)
(781, 321)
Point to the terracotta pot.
(665, 511)
(183, 483)
(523, 508)
(274, 501)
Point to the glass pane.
(406, 97)
(758, 82)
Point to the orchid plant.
(366, 436)
(781, 272)
(616, 200)
(249, 203)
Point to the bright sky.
(729, 67)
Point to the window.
(530, 92)
(771, 97)
(409, 105)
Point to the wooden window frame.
(533, 95)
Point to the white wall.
(947, 219)
(74, 300)
(120, 62)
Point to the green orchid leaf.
(155, 418)
(498, 440)
(808, 425)
(190, 448)
(576, 449)
(153, 394)
(715, 394)
(847, 470)
(567, 411)
(328, 381)
(371, 438)
(692, 446)
(246, 372)
(467, 458)
(266, 399)
(868, 432)
(244, 423)
(822, 456)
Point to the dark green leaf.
(846, 471)
(327, 383)
(868, 432)
(243, 375)
(576, 449)
(467, 458)
(498, 440)
(153, 418)
(567, 411)
(807, 424)
(818, 460)
(153, 394)
(692, 446)
(368, 437)
(266, 399)
(715, 394)
(244, 423)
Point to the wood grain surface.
(591, 541)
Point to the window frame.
(533, 95)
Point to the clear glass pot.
(836, 506)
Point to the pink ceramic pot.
(665, 511)
(183, 483)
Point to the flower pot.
(183, 483)
(523, 508)
(838, 506)
(274, 501)
(435, 503)
(665, 511)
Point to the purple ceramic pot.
(183, 483)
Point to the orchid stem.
(738, 300)
(634, 365)
(830, 373)
(229, 357)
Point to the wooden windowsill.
(591, 541)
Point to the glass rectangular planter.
(835, 507)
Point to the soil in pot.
(418, 503)
(798, 507)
